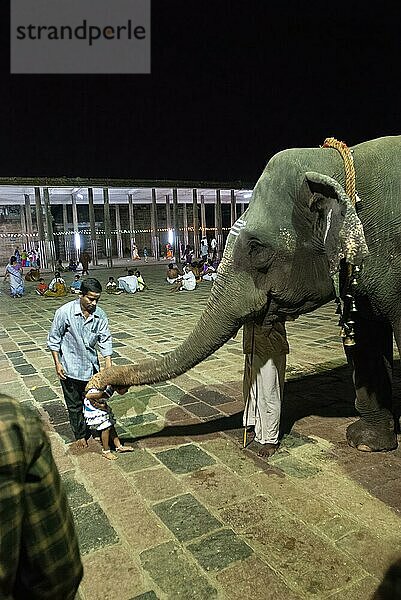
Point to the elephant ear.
(330, 200)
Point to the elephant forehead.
(286, 238)
(279, 236)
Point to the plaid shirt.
(39, 555)
(75, 339)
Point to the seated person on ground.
(57, 287)
(111, 287)
(60, 265)
(141, 283)
(80, 268)
(76, 285)
(185, 282)
(172, 273)
(72, 265)
(209, 272)
(41, 287)
(129, 283)
(32, 275)
(197, 270)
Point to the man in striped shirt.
(79, 328)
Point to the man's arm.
(104, 341)
(59, 367)
(54, 339)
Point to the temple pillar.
(67, 246)
(92, 225)
(28, 221)
(120, 252)
(195, 222)
(153, 226)
(233, 207)
(107, 227)
(51, 250)
(77, 242)
(176, 229)
(203, 216)
(218, 224)
(185, 223)
(131, 217)
(41, 245)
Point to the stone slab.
(186, 518)
(156, 484)
(253, 578)
(219, 550)
(102, 578)
(185, 458)
(93, 528)
(175, 575)
(218, 486)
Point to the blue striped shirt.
(76, 339)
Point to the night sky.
(231, 84)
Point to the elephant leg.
(372, 362)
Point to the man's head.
(89, 294)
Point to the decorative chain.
(346, 155)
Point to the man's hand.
(60, 371)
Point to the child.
(102, 420)
(111, 287)
(141, 283)
(76, 285)
(41, 287)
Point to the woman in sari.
(57, 287)
(14, 274)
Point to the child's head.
(41, 280)
(111, 279)
(77, 277)
(57, 274)
(137, 273)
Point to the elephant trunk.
(222, 317)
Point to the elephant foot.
(368, 438)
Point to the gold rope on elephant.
(346, 155)
(347, 324)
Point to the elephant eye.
(254, 245)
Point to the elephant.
(281, 258)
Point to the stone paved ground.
(190, 514)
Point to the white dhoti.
(263, 389)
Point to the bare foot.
(108, 454)
(82, 443)
(268, 450)
(124, 449)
